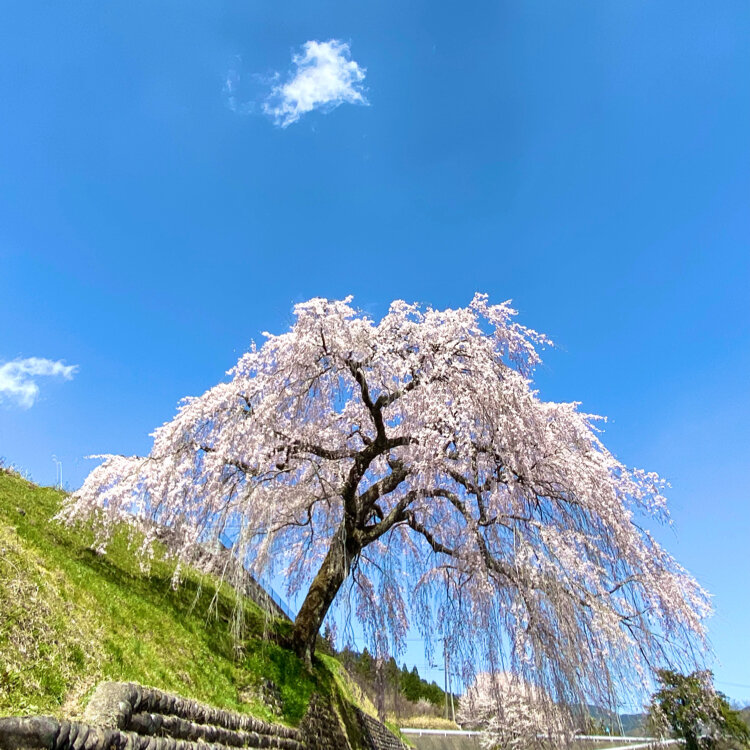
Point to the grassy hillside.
(70, 618)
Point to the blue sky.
(164, 199)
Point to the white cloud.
(17, 378)
(323, 77)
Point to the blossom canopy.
(411, 459)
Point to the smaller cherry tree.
(513, 714)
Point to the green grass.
(70, 618)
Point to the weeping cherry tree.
(409, 465)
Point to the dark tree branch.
(386, 399)
(375, 411)
(437, 546)
(297, 448)
(396, 515)
(382, 487)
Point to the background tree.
(692, 709)
(412, 459)
(511, 713)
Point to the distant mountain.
(633, 724)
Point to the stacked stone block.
(378, 735)
(125, 716)
(321, 728)
(271, 696)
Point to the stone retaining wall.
(321, 729)
(126, 716)
(379, 736)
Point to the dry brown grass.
(424, 722)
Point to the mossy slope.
(70, 618)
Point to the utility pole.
(447, 682)
(445, 675)
(58, 472)
(450, 687)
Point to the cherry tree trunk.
(333, 572)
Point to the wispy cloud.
(17, 378)
(324, 76)
(230, 87)
(231, 90)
